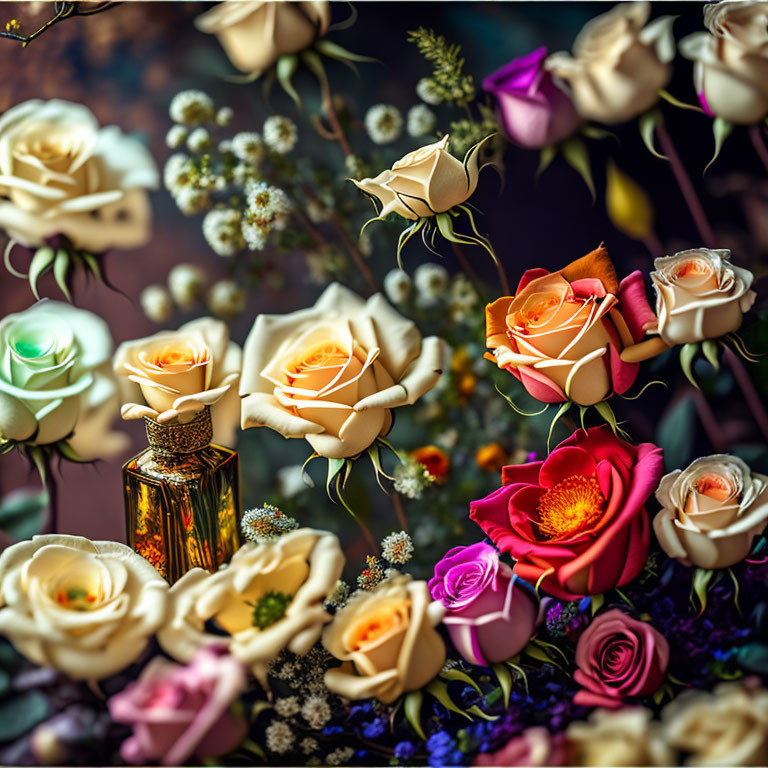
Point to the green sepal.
(668, 97)
(735, 589)
(561, 411)
(69, 453)
(518, 671)
(61, 266)
(546, 156)
(334, 467)
(711, 350)
(412, 707)
(504, 677)
(91, 263)
(515, 408)
(477, 712)
(286, 68)
(335, 51)
(457, 674)
(41, 261)
(315, 65)
(721, 129)
(647, 125)
(701, 579)
(688, 353)
(405, 236)
(577, 156)
(606, 412)
(439, 690)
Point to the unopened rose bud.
(186, 282)
(156, 303)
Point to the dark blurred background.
(127, 63)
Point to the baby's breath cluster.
(411, 478)
(265, 524)
(397, 548)
(384, 123)
(266, 208)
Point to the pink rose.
(533, 111)
(491, 614)
(534, 746)
(178, 712)
(618, 656)
(576, 522)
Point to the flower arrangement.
(540, 560)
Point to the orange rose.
(436, 461)
(562, 333)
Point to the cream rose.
(731, 64)
(386, 641)
(332, 373)
(700, 295)
(62, 174)
(255, 35)
(86, 608)
(426, 181)
(181, 372)
(617, 738)
(270, 597)
(728, 726)
(711, 511)
(619, 63)
(56, 382)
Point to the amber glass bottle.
(182, 499)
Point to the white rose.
(731, 64)
(86, 608)
(60, 173)
(56, 381)
(619, 63)
(333, 372)
(268, 598)
(700, 295)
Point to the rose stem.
(307, 224)
(653, 244)
(759, 144)
(397, 503)
(748, 390)
(354, 252)
(709, 422)
(333, 119)
(465, 265)
(686, 187)
(367, 535)
(502, 277)
(51, 487)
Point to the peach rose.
(711, 511)
(386, 640)
(255, 35)
(562, 333)
(619, 63)
(700, 295)
(426, 181)
(63, 174)
(181, 372)
(332, 373)
(731, 61)
(270, 597)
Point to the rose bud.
(491, 614)
(711, 512)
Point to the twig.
(63, 10)
(397, 503)
(465, 265)
(354, 251)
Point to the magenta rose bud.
(180, 712)
(491, 614)
(533, 111)
(618, 656)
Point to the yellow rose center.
(323, 355)
(715, 486)
(382, 621)
(573, 505)
(77, 598)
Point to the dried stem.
(465, 265)
(397, 503)
(354, 251)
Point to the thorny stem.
(755, 134)
(686, 187)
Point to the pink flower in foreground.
(179, 712)
(618, 656)
(534, 746)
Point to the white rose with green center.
(56, 381)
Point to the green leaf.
(701, 579)
(577, 156)
(711, 350)
(20, 714)
(519, 671)
(721, 129)
(286, 69)
(413, 712)
(457, 674)
(439, 690)
(41, 261)
(597, 603)
(504, 677)
(22, 513)
(647, 125)
(60, 270)
(688, 353)
(676, 432)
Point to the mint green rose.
(56, 382)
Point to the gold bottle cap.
(180, 438)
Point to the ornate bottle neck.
(170, 439)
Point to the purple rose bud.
(532, 109)
(491, 614)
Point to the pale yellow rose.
(56, 382)
(623, 737)
(618, 63)
(333, 372)
(86, 608)
(711, 511)
(731, 64)
(728, 726)
(426, 181)
(287, 580)
(700, 295)
(386, 640)
(61, 173)
(255, 34)
(181, 372)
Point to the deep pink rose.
(534, 746)
(575, 522)
(531, 109)
(179, 712)
(618, 656)
(491, 614)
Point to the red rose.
(618, 656)
(575, 522)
